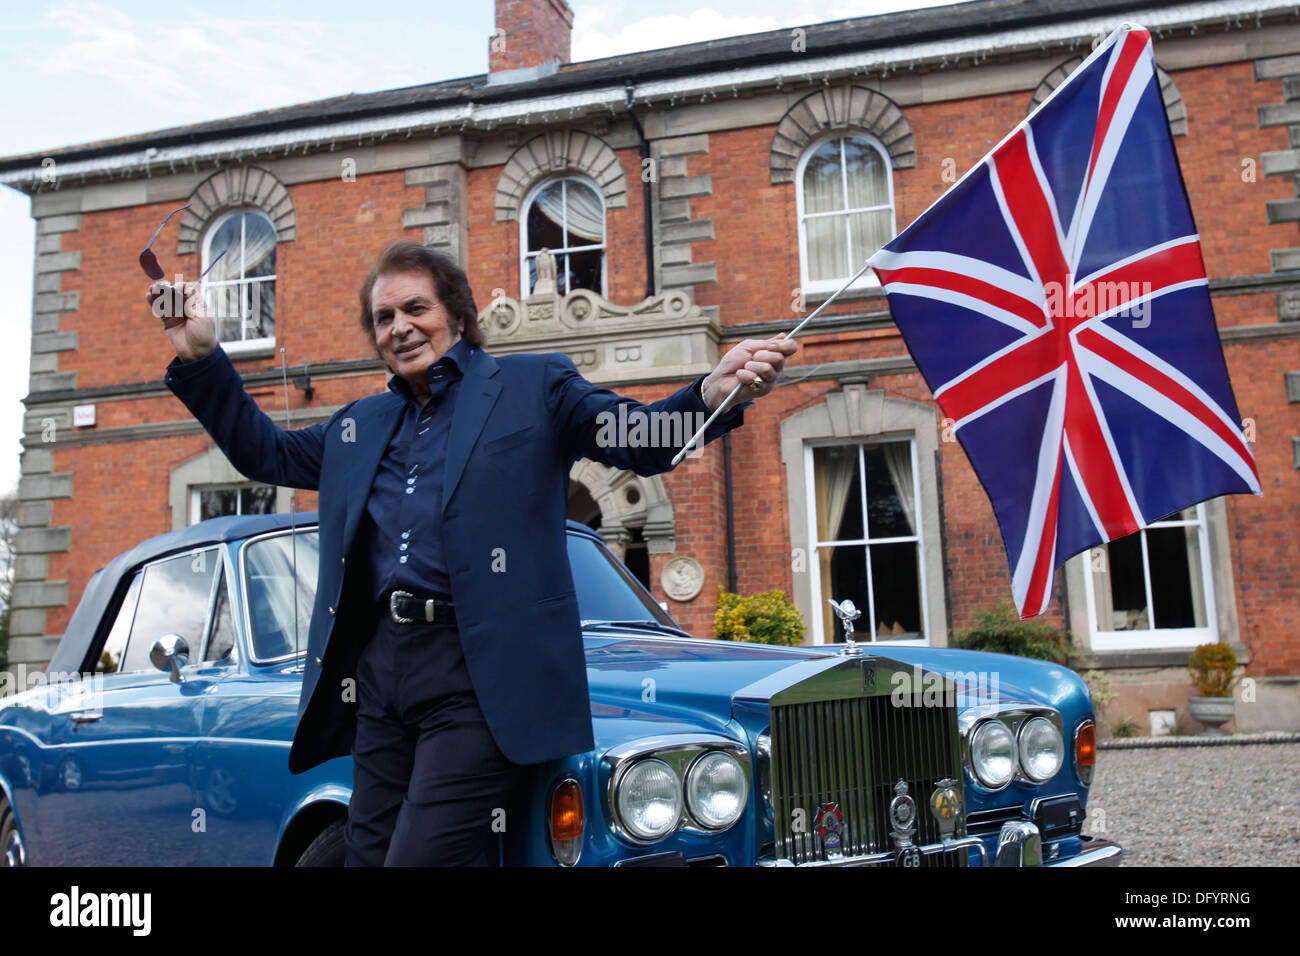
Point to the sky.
(77, 71)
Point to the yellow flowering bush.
(768, 617)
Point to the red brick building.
(691, 197)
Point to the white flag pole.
(686, 449)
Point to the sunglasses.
(149, 262)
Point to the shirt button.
(410, 491)
(405, 546)
(410, 481)
(331, 610)
(406, 534)
(318, 662)
(402, 559)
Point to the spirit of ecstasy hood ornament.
(847, 612)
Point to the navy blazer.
(519, 424)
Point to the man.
(444, 651)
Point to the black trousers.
(430, 786)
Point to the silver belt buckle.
(392, 607)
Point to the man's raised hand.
(754, 363)
(185, 318)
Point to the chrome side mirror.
(170, 652)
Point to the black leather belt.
(405, 607)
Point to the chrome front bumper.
(1018, 845)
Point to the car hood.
(645, 685)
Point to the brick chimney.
(529, 33)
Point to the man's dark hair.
(449, 282)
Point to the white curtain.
(898, 457)
(823, 191)
(1192, 540)
(259, 243)
(1098, 559)
(586, 213)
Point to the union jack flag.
(1056, 302)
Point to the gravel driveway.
(1200, 806)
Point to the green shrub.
(1125, 727)
(1212, 667)
(768, 617)
(1000, 629)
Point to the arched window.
(240, 289)
(567, 217)
(845, 196)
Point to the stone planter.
(1211, 711)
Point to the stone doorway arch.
(627, 503)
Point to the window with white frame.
(215, 501)
(567, 218)
(844, 192)
(866, 540)
(1153, 588)
(240, 290)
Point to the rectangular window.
(866, 540)
(1153, 588)
(215, 501)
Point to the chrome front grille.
(851, 752)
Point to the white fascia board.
(146, 160)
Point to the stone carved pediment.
(662, 338)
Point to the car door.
(242, 762)
(116, 777)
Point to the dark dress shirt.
(404, 506)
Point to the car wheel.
(11, 843)
(328, 849)
(221, 792)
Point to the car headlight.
(716, 790)
(649, 800)
(1042, 751)
(993, 754)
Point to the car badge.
(945, 804)
(902, 822)
(869, 677)
(830, 824)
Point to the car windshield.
(606, 591)
(268, 578)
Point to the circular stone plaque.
(682, 578)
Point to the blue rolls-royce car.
(160, 734)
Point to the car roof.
(104, 583)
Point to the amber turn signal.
(567, 821)
(1085, 744)
(1085, 751)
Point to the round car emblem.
(945, 805)
(902, 809)
(830, 823)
